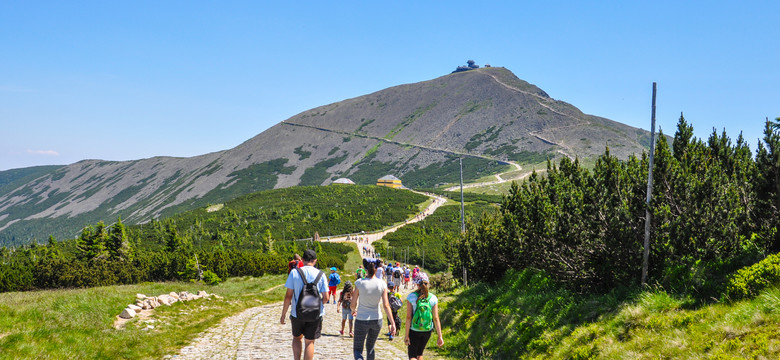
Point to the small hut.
(344, 181)
(389, 181)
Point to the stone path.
(256, 333)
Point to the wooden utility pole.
(462, 212)
(646, 254)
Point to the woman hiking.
(422, 316)
(369, 294)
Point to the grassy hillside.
(527, 316)
(78, 323)
(291, 213)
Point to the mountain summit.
(415, 131)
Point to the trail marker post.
(646, 253)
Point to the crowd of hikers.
(361, 304)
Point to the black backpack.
(397, 273)
(309, 300)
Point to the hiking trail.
(256, 332)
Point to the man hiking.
(307, 291)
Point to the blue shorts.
(346, 314)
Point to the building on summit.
(390, 181)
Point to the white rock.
(202, 293)
(135, 308)
(164, 299)
(140, 296)
(174, 295)
(127, 313)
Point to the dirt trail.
(499, 179)
(256, 333)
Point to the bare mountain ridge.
(413, 131)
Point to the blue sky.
(131, 80)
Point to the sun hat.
(423, 277)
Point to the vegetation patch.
(364, 123)
(449, 172)
(301, 153)
(409, 120)
(318, 173)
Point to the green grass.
(526, 316)
(78, 323)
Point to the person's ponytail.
(370, 268)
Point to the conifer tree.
(119, 245)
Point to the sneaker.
(391, 337)
(341, 332)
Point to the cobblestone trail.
(257, 334)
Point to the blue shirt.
(334, 279)
(295, 283)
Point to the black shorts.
(417, 342)
(311, 330)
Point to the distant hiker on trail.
(407, 277)
(307, 292)
(395, 304)
(389, 273)
(333, 283)
(369, 293)
(415, 273)
(344, 306)
(380, 270)
(397, 273)
(360, 273)
(422, 316)
(294, 263)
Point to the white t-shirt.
(370, 293)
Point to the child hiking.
(396, 303)
(345, 302)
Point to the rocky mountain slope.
(414, 131)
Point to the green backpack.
(423, 315)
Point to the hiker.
(360, 273)
(344, 306)
(380, 270)
(396, 303)
(333, 282)
(369, 294)
(422, 316)
(294, 263)
(397, 272)
(415, 273)
(306, 291)
(389, 272)
(407, 277)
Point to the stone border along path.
(256, 333)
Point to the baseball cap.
(333, 269)
(309, 255)
(391, 284)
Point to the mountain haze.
(414, 131)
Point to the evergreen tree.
(119, 245)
